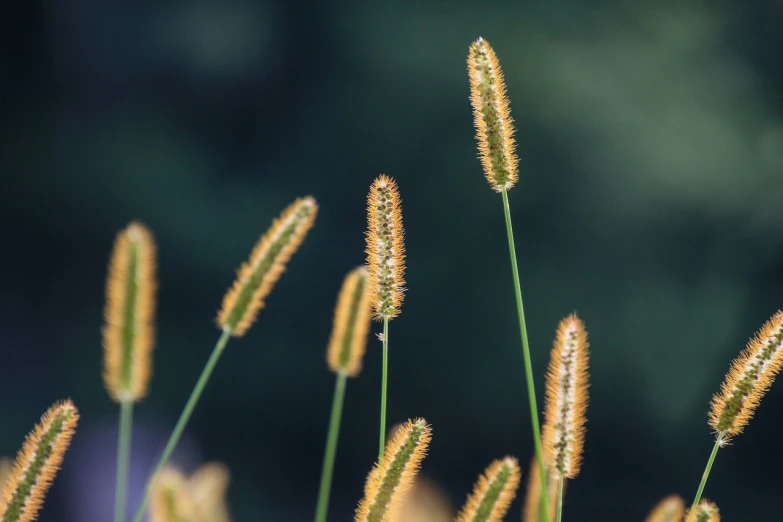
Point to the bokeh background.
(651, 143)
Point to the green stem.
(331, 449)
(383, 386)
(560, 499)
(706, 473)
(531, 390)
(184, 417)
(123, 458)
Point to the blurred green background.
(651, 143)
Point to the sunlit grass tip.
(750, 376)
(385, 248)
(670, 509)
(492, 116)
(37, 463)
(566, 398)
(257, 276)
(171, 499)
(706, 511)
(531, 511)
(390, 480)
(128, 334)
(351, 324)
(493, 493)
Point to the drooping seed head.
(351, 325)
(566, 399)
(670, 509)
(390, 480)
(385, 248)
(706, 511)
(259, 274)
(37, 463)
(208, 487)
(532, 509)
(171, 499)
(492, 117)
(493, 492)
(129, 314)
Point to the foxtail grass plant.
(532, 509)
(493, 493)
(344, 356)
(705, 511)
(37, 463)
(670, 509)
(497, 152)
(390, 481)
(242, 302)
(749, 377)
(385, 268)
(128, 337)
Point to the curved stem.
(531, 390)
(382, 442)
(183, 418)
(123, 458)
(707, 470)
(560, 499)
(331, 449)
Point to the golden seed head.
(389, 482)
(208, 486)
(750, 376)
(37, 463)
(706, 511)
(492, 117)
(385, 248)
(351, 325)
(130, 314)
(259, 274)
(493, 492)
(532, 507)
(670, 509)
(563, 433)
(171, 499)
(426, 503)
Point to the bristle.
(566, 399)
(208, 486)
(6, 470)
(492, 117)
(258, 275)
(532, 509)
(385, 248)
(750, 376)
(670, 509)
(351, 325)
(390, 480)
(171, 499)
(37, 463)
(493, 493)
(129, 314)
(426, 503)
(706, 511)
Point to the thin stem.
(706, 474)
(184, 417)
(331, 449)
(383, 385)
(123, 458)
(531, 390)
(560, 498)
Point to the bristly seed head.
(492, 117)
(171, 499)
(130, 314)
(493, 492)
(670, 509)
(706, 511)
(385, 248)
(566, 399)
(351, 324)
(37, 463)
(750, 376)
(259, 274)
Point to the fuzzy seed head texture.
(706, 511)
(493, 493)
(351, 324)
(670, 509)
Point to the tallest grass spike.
(496, 146)
(242, 302)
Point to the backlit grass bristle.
(426, 503)
(208, 487)
(391, 479)
(492, 116)
(171, 499)
(670, 509)
(385, 248)
(259, 274)
(351, 325)
(706, 511)
(531, 512)
(750, 376)
(493, 492)
(129, 332)
(37, 463)
(563, 433)
(6, 469)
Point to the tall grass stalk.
(706, 474)
(384, 383)
(331, 449)
(123, 459)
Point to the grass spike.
(493, 492)
(670, 509)
(351, 325)
(208, 487)
(706, 511)
(171, 499)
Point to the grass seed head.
(351, 325)
(493, 493)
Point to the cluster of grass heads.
(394, 492)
